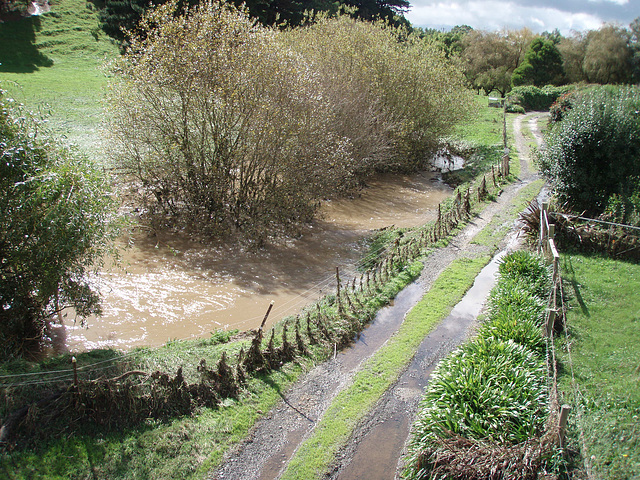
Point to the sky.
(538, 15)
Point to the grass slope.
(52, 64)
(601, 369)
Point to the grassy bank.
(600, 366)
(52, 63)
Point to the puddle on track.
(375, 457)
(177, 289)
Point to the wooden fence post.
(266, 315)
(551, 320)
(562, 424)
(75, 373)
(338, 290)
(543, 225)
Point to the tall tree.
(572, 49)
(634, 43)
(542, 65)
(608, 57)
(490, 58)
(449, 42)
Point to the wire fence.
(556, 325)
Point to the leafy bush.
(486, 389)
(513, 108)
(392, 94)
(534, 98)
(560, 107)
(528, 269)
(594, 152)
(222, 125)
(522, 331)
(57, 221)
(512, 299)
(492, 391)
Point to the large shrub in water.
(594, 152)
(391, 93)
(56, 223)
(231, 126)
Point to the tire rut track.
(275, 438)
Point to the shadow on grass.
(19, 53)
(568, 267)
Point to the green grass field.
(601, 369)
(53, 64)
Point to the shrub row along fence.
(492, 407)
(131, 396)
(596, 235)
(554, 322)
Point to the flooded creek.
(176, 289)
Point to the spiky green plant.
(529, 269)
(487, 389)
(511, 298)
(523, 331)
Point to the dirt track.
(375, 448)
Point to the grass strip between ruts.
(381, 371)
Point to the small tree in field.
(56, 222)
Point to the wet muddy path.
(172, 288)
(375, 450)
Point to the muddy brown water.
(177, 289)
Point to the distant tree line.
(500, 60)
(120, 16)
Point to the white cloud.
(497, 14)
(617, 2)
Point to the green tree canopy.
(126, 14)
(57, 220)
(489, 58)
(542, 65)
(608, 56)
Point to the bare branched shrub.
(392, 94)
(221, 124)
(229, 126)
